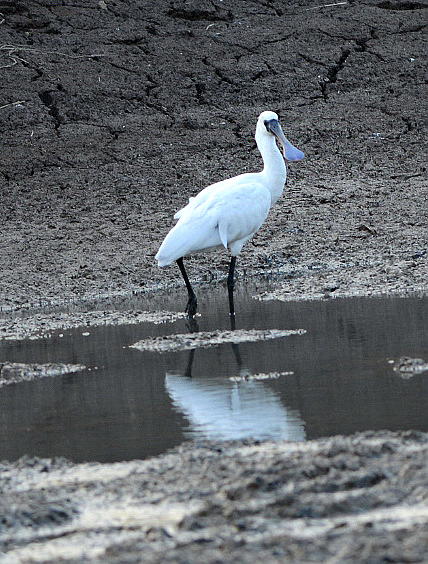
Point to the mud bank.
(14, 372)
(191, 341)
(42, 325)
(355, 499)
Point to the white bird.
(230, 212)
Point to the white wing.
(227, 213)
(204, 194)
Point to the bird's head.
(268, 124)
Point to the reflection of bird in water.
(221, 409)
(230, 212)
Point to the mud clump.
(406, 367)
(14, 372)
(183, 342)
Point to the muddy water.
(336, 378)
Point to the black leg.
(193, 327)
(192, 303)
(231, 284)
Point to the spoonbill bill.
(228, 213)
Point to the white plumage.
(229, 213)
(225, 214)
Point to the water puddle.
(289, 370)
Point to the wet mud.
(114, 113)
(15, 372)
(190, 341)
(43, 325)
(356, 499)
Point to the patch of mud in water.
(189, 341)
(407, 367)
(43, 325)
(14, 372)
(246, 376)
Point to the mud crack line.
(332, 73)
(48, 101)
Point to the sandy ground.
(112, 114)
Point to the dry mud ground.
(112, 113)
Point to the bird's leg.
(192, 303)
(192, 326)
(231, 285)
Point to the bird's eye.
(266, 123)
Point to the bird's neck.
(274, 166)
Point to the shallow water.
(335, 378)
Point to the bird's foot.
(191, 307)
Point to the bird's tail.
(173, 247)
(186, 238)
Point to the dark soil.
(112, 114)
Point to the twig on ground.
(326, 6)
(12, 104)
(13, 50)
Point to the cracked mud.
(112, 114)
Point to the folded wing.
(221, 215)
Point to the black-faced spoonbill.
(229, 213)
